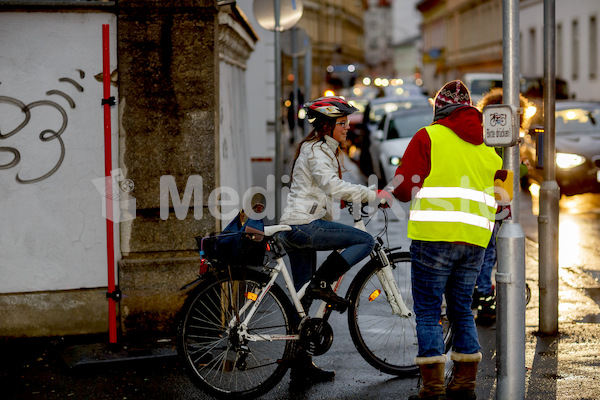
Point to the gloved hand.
(503, 186)
(385, 199)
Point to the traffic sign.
(290, 12)
(294, 42)
(500, 125)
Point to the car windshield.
(378, 110)
(406, 90)
(405, 126)
(577, 120)
(481, 86)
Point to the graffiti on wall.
(47, 135)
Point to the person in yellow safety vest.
(447, 172)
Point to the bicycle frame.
(385, 276)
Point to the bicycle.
(239, 329)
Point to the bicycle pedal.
(341, 308)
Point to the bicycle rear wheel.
(385, 340)
(212, 352)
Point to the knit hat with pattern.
(454, 92)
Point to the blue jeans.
(303, 242)
(440, 268)
(484, 279)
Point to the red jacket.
(465, 121)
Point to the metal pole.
(510, 278)
(110, 243)
(295, 97)
(549, 192)
(278, 141)
(307, 82)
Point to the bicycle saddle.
(273, 229)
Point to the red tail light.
(203, 267)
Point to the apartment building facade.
(461, 36)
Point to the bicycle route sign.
(499, 127)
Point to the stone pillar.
(168, 61)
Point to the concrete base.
(58, 313)
(151, 293)
(151, 300)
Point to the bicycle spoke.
(386, 340)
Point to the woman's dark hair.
(323, 126)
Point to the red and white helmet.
(331, 107)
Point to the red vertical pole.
(110, 244)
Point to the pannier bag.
(242, 242)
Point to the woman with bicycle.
(316, 183)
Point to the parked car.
(577, 126)
(390, 140)
(405, 89)
(374, 112)
(533, 89)
(378, 106)
(530, 86)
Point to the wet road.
(566, 366)
(579, 246)
(563, 367)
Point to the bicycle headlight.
(567, 161)
(395, 161)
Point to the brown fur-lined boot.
(463, 381)
(432, 378)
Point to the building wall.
(379, 35)
(406, 36)
(461, 36)
(53, 231)
(260, 102)
(407, 60)
(167, 123)
(335, 29)
(49, 198)
(391, 29)
(235, 45)
(577, 44)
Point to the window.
(593, 51)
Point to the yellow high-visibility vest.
(456, 202)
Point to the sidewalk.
(564, 366)
(561, 367)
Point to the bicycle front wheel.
(385, 340)
(215, 355)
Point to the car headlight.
(566, 160)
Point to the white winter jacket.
(316, 186)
